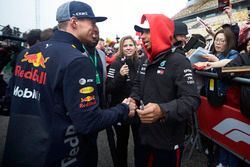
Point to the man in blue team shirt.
(56, 96)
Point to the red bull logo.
(87, 99)
(32, 74)
(36, 59)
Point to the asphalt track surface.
(104, 159)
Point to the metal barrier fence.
(225, 125)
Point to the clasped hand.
(132, 106)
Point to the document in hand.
(196, 56)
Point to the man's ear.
(73, 22)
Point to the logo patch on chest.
(161, 72)
(161, 68)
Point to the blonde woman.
(121, 74)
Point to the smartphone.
(189, 45)
(141, 105)
(201, 22)
(248, 11)
(193, 43)
(222, 4)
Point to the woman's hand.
(210, 30)
(124, 70)
(210, 57)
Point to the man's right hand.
(132, 106)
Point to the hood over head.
(161, 33)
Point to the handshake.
(148, 114)
(132, 106)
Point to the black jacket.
(118, 86)
(240, 60)
(168, 81)
(55, 99)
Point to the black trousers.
(88, 150)
(122, 136)
(161, 158)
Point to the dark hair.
(46, 34)
(33, 36)
(230, 40)
(245, 44)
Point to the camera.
(11, 44)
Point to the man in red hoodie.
(166, 86)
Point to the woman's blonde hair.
(120, 52)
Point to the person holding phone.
(166, 86)
(226, 8)
(233, 26)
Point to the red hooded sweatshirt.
(161, 33)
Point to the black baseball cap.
(142, 27)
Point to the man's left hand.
(151, 113)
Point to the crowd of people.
(69, 83)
